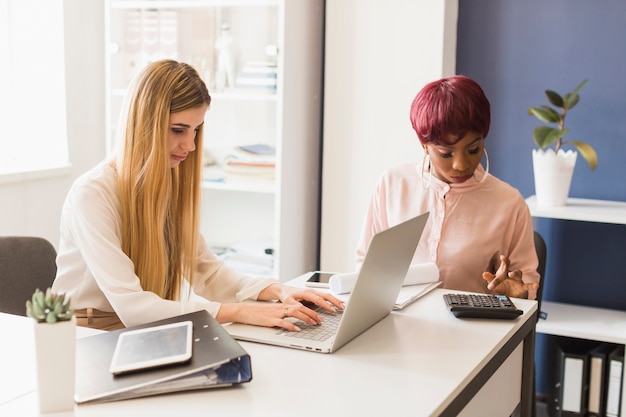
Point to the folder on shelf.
(217, 361)
(615, 382)
(598, 378)
(572, 380)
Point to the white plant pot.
(55, 351)
(553, 176)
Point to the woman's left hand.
(295, 295)
(508, 282)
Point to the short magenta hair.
(451, 106)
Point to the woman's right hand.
(508, 282)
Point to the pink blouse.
(469, 227)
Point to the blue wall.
(517, 49)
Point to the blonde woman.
(130, 226)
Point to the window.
(32, 81)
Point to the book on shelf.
(251, 163)
(257, 75)
(257, 149)
(247, 172)
(255, 154)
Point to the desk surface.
(419, 360)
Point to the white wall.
(33, 207)
(378, 56)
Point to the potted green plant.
(55, 349)
(553, 167)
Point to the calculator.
(482, 306)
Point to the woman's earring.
(486, 166)
(430, 174)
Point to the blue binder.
(217, 361)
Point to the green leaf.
(571, 99)
(38, 309)
(39, 298)
(545, 114)
(56, 302)
(48, 300)
(57, 309)
(579, 86)
(587, 152)
(554, 98)
(545, 136)
(51, 318)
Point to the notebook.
(377, 287)
(217, 360)
(419, 281)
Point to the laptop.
(377, 287)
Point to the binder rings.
(217, 361)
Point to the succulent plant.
(545, 136)
(49, 307)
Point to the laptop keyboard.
(321, 332)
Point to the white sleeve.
(92, 223)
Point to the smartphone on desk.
(319, 279)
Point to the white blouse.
(95, 272)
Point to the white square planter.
(55, 351)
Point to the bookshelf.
(262, 61)
(576, 321)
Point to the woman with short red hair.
(479, 232)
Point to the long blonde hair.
(160, 204)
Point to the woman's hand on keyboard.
(298, 303)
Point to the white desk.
(421, 361)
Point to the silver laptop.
(385, 265)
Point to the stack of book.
(251, 163)
(257, 75)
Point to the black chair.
(542, 253)
(26, 263)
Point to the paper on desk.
(417, 274)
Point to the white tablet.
(153, 346)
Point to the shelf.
(241, 94)
(235, 94)
(582, 209)
(582, 322)
(241, 186)
(264, 37)
(187, 4)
